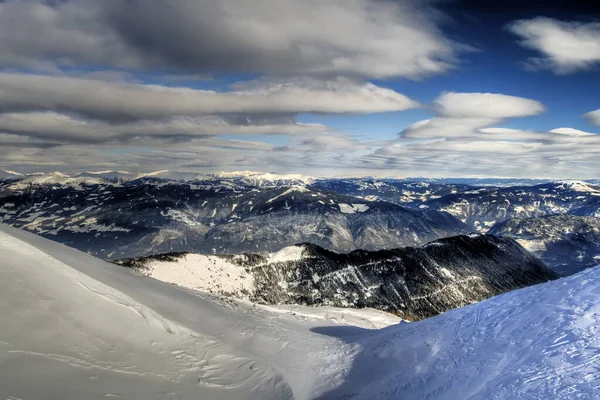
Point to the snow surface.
(214, 274)
(260, 178)
(289, 253)
(76, 327)
(540, 342)
(206, 273)
(56, 179)
(353, 208)
(297, 188)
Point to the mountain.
(402, 192)
(151, 215)
(482, 208)
(7, 174)
(254, 178)
(76, 327)
(567, 243)
(414, 283)
(107, 175)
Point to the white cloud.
(593, 117)
(125, 101)
(466, 114)
(63, 128)
(485, 106)
(566, 47)
(464, 139)
(358, 38)
(570, 132)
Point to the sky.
(385, 88)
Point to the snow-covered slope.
(57, 180)
(74, 327)
(536, 343)
(255, 178)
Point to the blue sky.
(356, 87)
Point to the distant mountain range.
(570, 243)
(116, 214)
(148, 216)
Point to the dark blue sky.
(496, 65)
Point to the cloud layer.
(565, 47)
(286, 59)
(356, 38)
(112, 101)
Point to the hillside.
(413, 283)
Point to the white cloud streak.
(565, 47)
(124, 101)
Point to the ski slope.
(76, 327)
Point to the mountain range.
(413, 283)
(116, 214)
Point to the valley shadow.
(365, 368)
(348, 334)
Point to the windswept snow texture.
(74, 327)
(536, 343)
(414, 283)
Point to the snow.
(290, 253)
(353, 208)
(149, 174)
(580, 186)
(55, 179)
(299, 189)
(76, 327)
(206, 273)
(533, 245)
(105, 172)
(366, 318)
(540, 342)
(262, 178)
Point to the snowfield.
(76, 327)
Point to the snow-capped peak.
(56, 179)
(149, 174)
(105, 172)
(579, 186)
(265, 178)
(10, 173)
